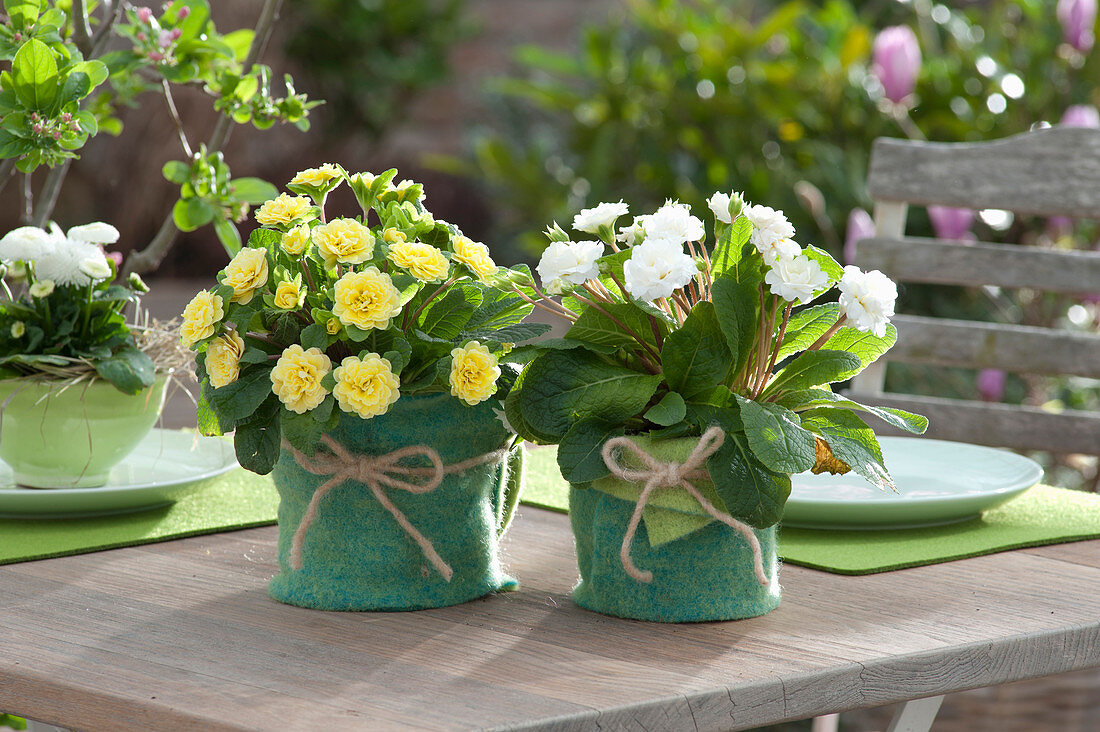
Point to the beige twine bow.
(658, 474)
(376, 472)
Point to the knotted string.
(657, 474)
(378, 472)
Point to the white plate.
(938, 482)
(167, 465)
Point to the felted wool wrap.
(355, 555)
(704, 575)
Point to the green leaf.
(252, 190)
(514, 414)
(669, 411)
(508, 334)
(191, 213)
(563, 387)
(227, 235)
(824, 260)
(752, 493)
(806, 326)
(737, 308)
(852, 441)
(34, 75)
(208, 422)
(258, 440)
(579, 452)
(813, 368)
(866, 346)
(695, 358)
(599, 329)
(130, 370)
(315, 336)
(776, 437)
(96, 71)
(176, 171)
(22, 12)
(813, 398)
(264, 239)
(399, 354)
(444, 318)
(730, 249)
(238, 400)
(239, 41)
(302, 431)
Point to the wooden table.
(182, 635)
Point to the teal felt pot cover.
(704, 575)
(356, 556)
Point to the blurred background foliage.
(679, 99)
(369, 58)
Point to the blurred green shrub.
(369, 56)
(679, 99)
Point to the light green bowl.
(55, 437)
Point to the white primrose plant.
(669, 337)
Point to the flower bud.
(183, 13)
(18, 328)
(860, 226)
(896, 61)
(991, 384)
(97, 268)
(555, 233)
(42, 288)
(1077, 18)
(136, 283)
(952, 223)
(1081, 115)
(142, 37)
(144, 14)
(737, 204)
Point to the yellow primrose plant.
(316, 316)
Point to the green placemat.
(239, 499)
(236, 500)
(1042, 515)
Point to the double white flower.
(796, 279)
(590, 220)
(867, 299)
(768, 227)
(72, 258)
(657, 268)
(572, 262)
(673, 222)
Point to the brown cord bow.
(658, 474)
(378, 472)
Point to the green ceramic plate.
(167, 465)
(938, 482)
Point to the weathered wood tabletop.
(182, 635)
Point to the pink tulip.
(1080, 115)
(860, 226)
(952, 223)
(991, 384)
(895, 60)
(1077, 18)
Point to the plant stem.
(621, 324)
(427, 300)
(596, 293)
(778, 342)
(176, 118)
(7, 170)
(82, 33)
(154, 253)
(828, 334)
(560, 312)
(656, 332)
(112, 12)
(48, 196)
(764, 371)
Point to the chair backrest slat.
(1017, 348)
(1049, 172)
(996, 425)
(1053, 172)
(917, 259)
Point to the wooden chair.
(1052, 172)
